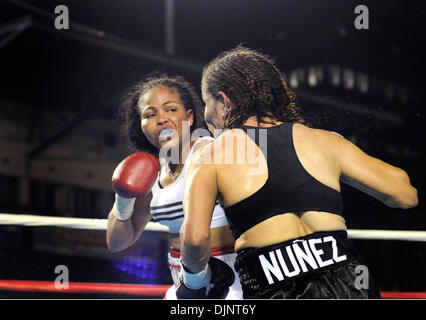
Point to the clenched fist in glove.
(211, 283)
(133, 178)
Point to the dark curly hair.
(254, 85)
(129, 111)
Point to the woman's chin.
(169, 143)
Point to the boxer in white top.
(155, 112)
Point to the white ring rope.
(101, 224)
(405, 235)
(65, 222)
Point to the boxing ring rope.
(85, 287)
(159, 290)
(101, 224)
(65, 222)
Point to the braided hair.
(254, 85)
(129, 112)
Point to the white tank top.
(166, 204)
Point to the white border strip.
(101, 224)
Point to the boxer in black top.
(279, 182)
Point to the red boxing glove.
(135, 175)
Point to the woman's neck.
(172, 167)
(268, 122)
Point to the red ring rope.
(403, 295)
(85, 287)
(136, 289)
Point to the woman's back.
(248, 173)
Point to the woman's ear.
(190, 115)
(227, 103)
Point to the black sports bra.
(289, 188)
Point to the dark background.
(79, 75)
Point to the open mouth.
(166, 134)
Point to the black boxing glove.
(211, 283)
